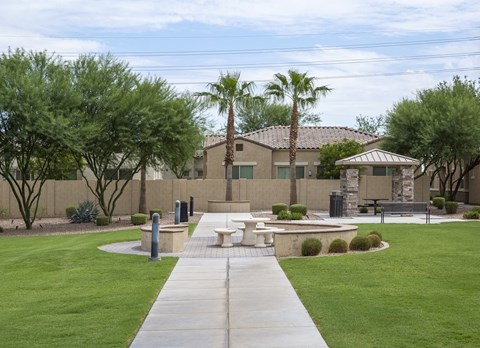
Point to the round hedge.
(471, 215)
(70, 210)
(102, 220)
(139, 219)
(361, 243)
(153, 211)
(311, 247)
(451, 207)
(375, 240)
(296, 216)
(299, 208)
(438, 202)
(278, 207)
(376, 233)
(284, 215)
(338, 246)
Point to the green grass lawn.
(191, 228)
(424, 291)
(61, 291)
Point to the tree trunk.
(293, 152)
(229, 154)
(142, 206)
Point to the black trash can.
(183, 211)
(336, 204)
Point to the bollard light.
(177, 212)
(155, 237)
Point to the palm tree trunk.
(229, 154)
(293, 152)
(142, 206)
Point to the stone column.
(349, 187)
(402, 185)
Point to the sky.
(371, 53)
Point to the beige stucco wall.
(305, 158)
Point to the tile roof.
(313, 137)
(378, 157)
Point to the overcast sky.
(372, 53)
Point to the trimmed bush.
(374, 240)
(299, 208)
(153, 211)
(278, 207)
(438, 202)
(363, 210)
(311, 247)
(1, 229)
(471, 215)
(284, 215)
(451, 207)
(102, 220)
(85, 212)
(139, 219)
(70, 210)
(361, 243)
(376, 233)
(476, 208)
(296, 216)
(338, 246)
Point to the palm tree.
(227, 93)
(300, 89)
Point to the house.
(264, 154)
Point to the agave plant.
(86, 212)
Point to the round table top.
(253, 219)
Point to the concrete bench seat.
(264, 236)
(224, 236)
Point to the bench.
(224, 236)
(264, 236)
(405, 208)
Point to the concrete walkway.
(228, 300)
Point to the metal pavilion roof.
(378, 157)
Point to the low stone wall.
(215, 206)
(289, 242)
(172, 238)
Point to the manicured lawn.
(422, 292)
(191, 228)
(61, 291)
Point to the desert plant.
(451, 207)
(278, 207)
(102, 220)
(338, 246)
(153, 211)
(85, 212)
(476, 208)
(70, 210)
(360, 243)
(139, 219)
(299, 208)
(438, 202)
(284, 215)
(376, 233)
(311, 247)
(471, 215)
(375, 240)
(296, 216)
(363, 210)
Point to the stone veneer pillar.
(402, 185)
(349, 187)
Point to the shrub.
(375, 240)
(70, 210)
(1, 229)
(476, 208)
(102, 220)
(311, 247)
(139, 219)
(296, 216)
(360, 243)
(451, 207)
(153, 211)
(438, 202)
(363, 210)
(338, 246)
(284, 215)
(376, 233)
(299, 208)
(471, 215)
(85, 212)
(278, 207)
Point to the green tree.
(263, 114)
(227, 93)
(374, 125)
(35, 98)
(330, 153)
(109, 123)
(441, 127)
(302, 92)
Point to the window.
(238, 147)
(383, 171)
(122, 174)
(284, 172)
(199, 174)
(241, 172)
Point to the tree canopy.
(331, 153)
(370, 124)
(441, 127)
